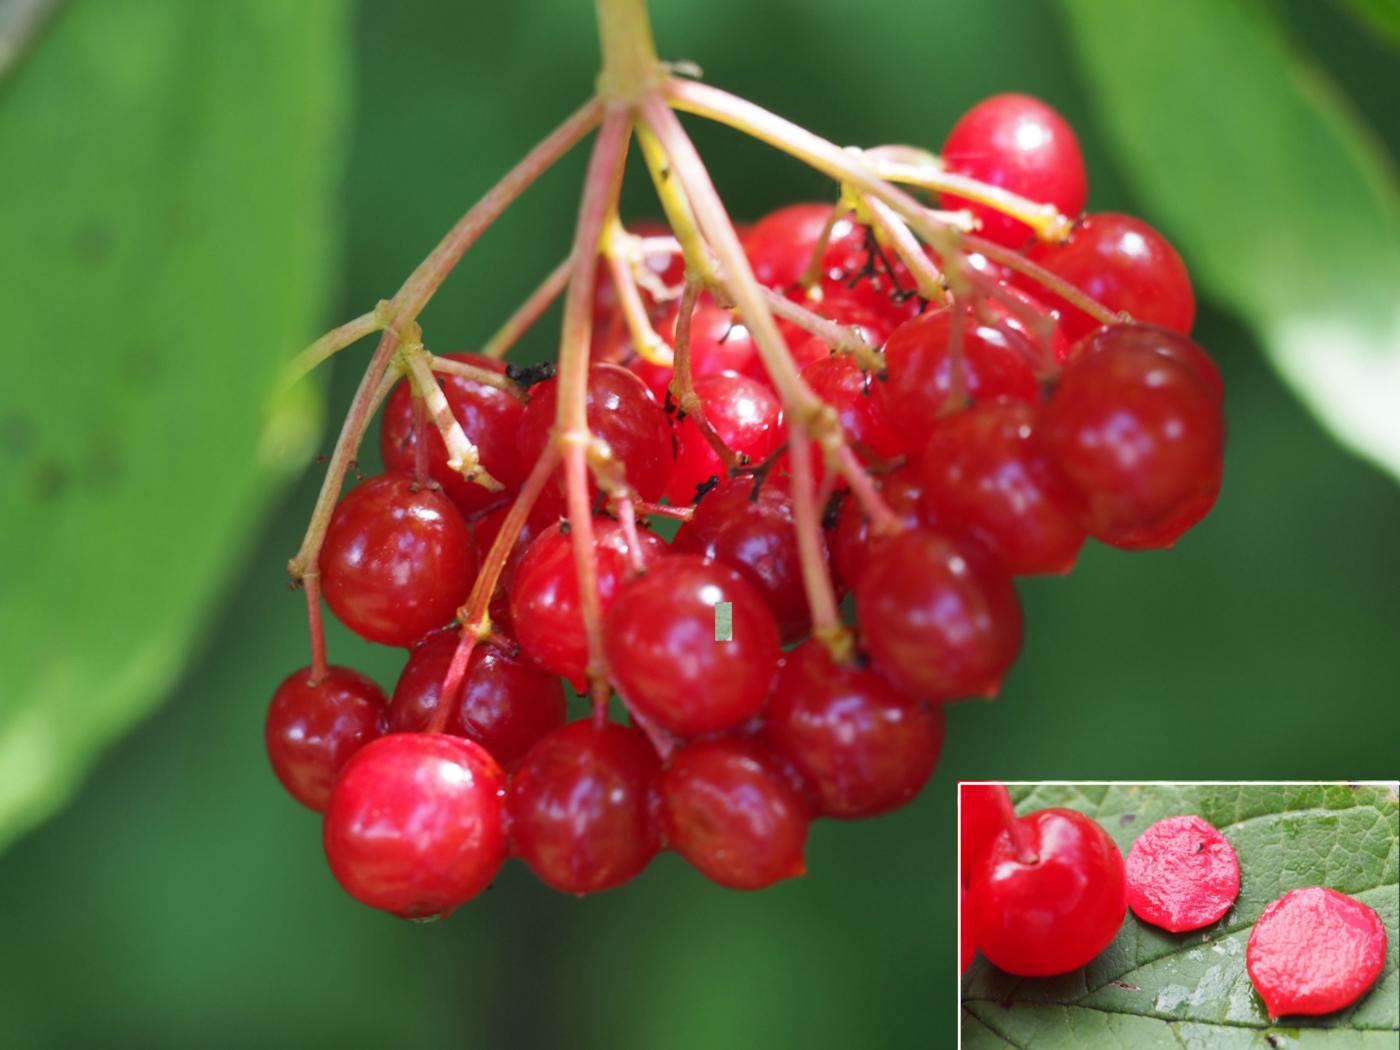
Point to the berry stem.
(812, 272)
(678, 212)
(452, 682)
(528, 312)
(461, 453)
(926, 276)
(664, 510)
(1020, 840)
(883, 520)
(682, 384)
(311, 584)
(630, 65)
(333, 342)
(420, 443)
(1051, 282)
(448, 367)
(645, 341)
(816, 580)
(1044, 219)
(843, 339)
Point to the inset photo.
(1195, 915)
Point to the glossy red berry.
(746, 415)
(487, 527)
(397, 560)
(1053, 911)
(1182, 874)
(843, 385)
(416, 823)
(779, 246)
(665, 659)
(984, 811)
(1022, 145)
(851, 543)
(967, 934)
(864, 748)
(805, 348)
(312, 729)
(580, 806)
(733, 815)
(939, 618)
(856, 266)
(719, 342)
(984, 473)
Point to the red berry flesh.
(313, 729)
(984, 811)
(1182, 874)
(580, 806)
(1021, 145)
(733, 815)
(416, 823)
(939, 618)
(1053, 911)
(863, 747)
(851, 543)
(747, 416)
(841, 383)
(397, 560)
(665, 659)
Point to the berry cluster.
(948, 415)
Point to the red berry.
(745, 414)
(733, 815)
(397, 560)
(1182, 874)
(719, 342)
(313, 729)
(580, 806)
(1052, 913)
(851, 544)
(664, 656)
(940, 619)
(984, 811)
(967, 935)
(1022, 145)
(857, 267)
(1314, 951)
(779, 246)
(416, 823)
(805, 348)
(841, 383)
(864, 748)
(544, 515)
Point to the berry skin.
(864, 748)
(1314, 951)
(841, 383)
(416, 823)
(1138, 431)
(747, 416)
(580, 806)
(851, 544)
(1053, 914)
(1182, 874)
(1123, 263)
(984, 811)
(489, 417)
(312, 730)
(984, 472)
(661, 645)
(780, 244)
(505, 704)
(397, 560)
(966, 933)
(1022, 145)
(545, 606)
(719, 342)
(733, 815)
(940, 619)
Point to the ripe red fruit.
(397, 560)
(1182, 874)
(863, 748)
(489, 417)
(841, 383)
(1053, 912)
(984, 811)
(872, 326)
(504, 704)
(746, 415)
(984, 472)
(1022, 145)
(665, 660)
(1138, 431)
(544, 515)
(416, 823)
(313, 729)
(967, 935)
(851, 544)
(780, 244)
(939, 618)
(1314, 951)
(1123, 263)
(545, 606)
(580, 806)
(733, 815)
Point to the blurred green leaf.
(1283, 205)
(1380, 16)
(166, 201)
(1152, 988)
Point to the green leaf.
(1283, 206)
(1151, 988)
(1382, 17)
(167, 202)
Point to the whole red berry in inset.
(489, 417)
(863, 747)
(1124, 264)
(666, 661)
(580, 806)
(545, 606)
(416, 823)
(1182, 874)
(1314, 951)
(733, 815)
(1021, 145)
(1052, 910)
(984, 811)
(312, 729)
(985, 473)
(746, 415)
(504, 704)
(397, 560)
(939, 618)
(902, 489)
(843, 385)
(966, 933)
(1138, 431)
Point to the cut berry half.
(1314, 951)
(312, 729)
(1182, 874)
(984, 811)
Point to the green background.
(182, 899)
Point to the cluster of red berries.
(1003, 427)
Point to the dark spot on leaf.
(1126, 819)
(50, 480)
(16, 433)
(92, 244)
(1126, 986)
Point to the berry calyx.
(313, 728)
(1182, 874)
